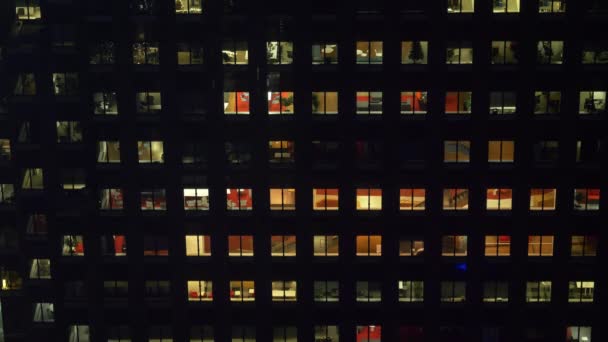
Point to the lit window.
(414, 52)
(105, 103)
(505, 51)
(281, 151)
(324, 53)
(284, 334)
(198, 245)
(458, 102)
(503, 102)
(196, 199)
(369, 291)
(497, 245)
(283, 245)
(146, 53)
(65, 83)
(102, 53)
(506, 6)
(198, 333)
(44, 312)
(499, 199)
(495, 292)
(148, 102)
(235, 53)
(583, 246)
(40, 269)
(78, 333)
(459, 53)
(114, 245)
(586, 199)
(27, 9)
(5, 150)
(284, 291)
(108, 152)
(278, 52)
(595, 52)
(413, 102)
(239, 199)
(501, 151)
(369, 199)
(32, 179)
(69, 131)
(369, 245)
(150, 152)
(282, 199)
(577, 333)
(326, 291)
(236, 102)
(156, 246)
(538, 291)
(111, 199)
(369, 52)
(369, 333)
(325, 199)
(200, 291)
(325, 102)
(540, 245)
(455, 199)
(7, 194)
(189, 53)
(411, 247)
(454, 245)
(592, 102)
(10, 280)
(280, 103)
(412, 199)
(326, 245)
(411, 290)
(327, 333)
(580, 291)
(188, 6)
(242, 291)
(543, 199)
(453, 291)
(550, 52)
(240, 245)
(73, 245)
(547, 102)
(552, 6)
(456, 151)
(25, 85)
(369, 102)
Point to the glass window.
(547, 102)
(495, 292)
(200, 333)
(108, 152)
(412, 199)
(200, 291)
(7, 194)
(242, 291)
(25, 85)
(325, 153)
(369, 199)
(282, 199)
(456, 151)
(497, 245)
(27, 9)
(369, 245)
(284, 291)
(40, 269)
(369, 291)
(278, 52)
(283, 245)
(158, 333)
(281, 151)
(69, 131)
(543, 199)
(506, 6)
(577, 333)
(146, 53)
(453, 291)
(284, 334)
(114, 245)
(236, 102)
(32, 179)
(78, 333)
(540, 245)
(551, 6)
(580, 291)
(415, 52)
(326, 245)
(595, 52)
(325, 102)
(327, 333)
(115, 289)
(111, 199)
(194, 153)
(458, 102)
(188, 6)
(324, 53)
(455, 199)
(454, 245)
(326, 291)
(239, 199)
(198, 245)
(325, 199)
(583, 246)
(189, 53)
(413, 102)
(5, 149)
(411, 333)
(65, 83)
(105, 103)
(234, 52)
(586, 199)
(154, 199)
(461, 6)
(411, 247)
(501, 151)
(538, 291)
(73, 245)
(499, 199)
(505, 51)
(148, 102)
(156, 246)
(10, 280)
(196, 199)
(411, 290)
(44, 312)
(240, 245)
(589, 151)
(36, 224)
(369, 333)
(280, 103)
(503, 102)
(243, 334)
(592, 102)
(369, 102)
(459, 52)
(369, 52)
(238, 153)
(546, 151)
(550, 52)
